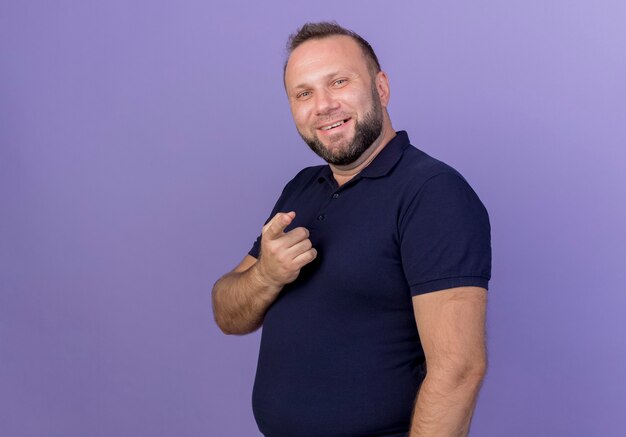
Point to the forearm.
(444, 406)
(240, 300)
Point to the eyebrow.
(304, 84)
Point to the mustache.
(326, 118)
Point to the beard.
(365, 133)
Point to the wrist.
(262, 280)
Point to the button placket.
(322, 212)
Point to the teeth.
(339, 123)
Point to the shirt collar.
(388, 157)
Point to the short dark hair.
(325, 29)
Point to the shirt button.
(321, 217)
(336, 195)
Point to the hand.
(283, 254)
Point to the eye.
(303, 95)
(340, 82)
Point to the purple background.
(143, 143)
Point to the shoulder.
(418, 174)
(419, 167)
(435, 189)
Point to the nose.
(325, 102)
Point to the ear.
(382, 87)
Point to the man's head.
(337, 91)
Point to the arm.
(241, 297)
(451, 325)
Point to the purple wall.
(143, 143)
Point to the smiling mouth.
(334, 125)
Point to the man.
(369, 270)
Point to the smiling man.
(370, 275)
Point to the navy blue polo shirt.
(340, 353)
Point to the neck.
(343, 173)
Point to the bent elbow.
(224, 328)
(231, 329)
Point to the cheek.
(300, 115)
(362, 101)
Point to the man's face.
(333, 98)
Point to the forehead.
(319, 57)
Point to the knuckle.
(300, 232)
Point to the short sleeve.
(445, 236)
